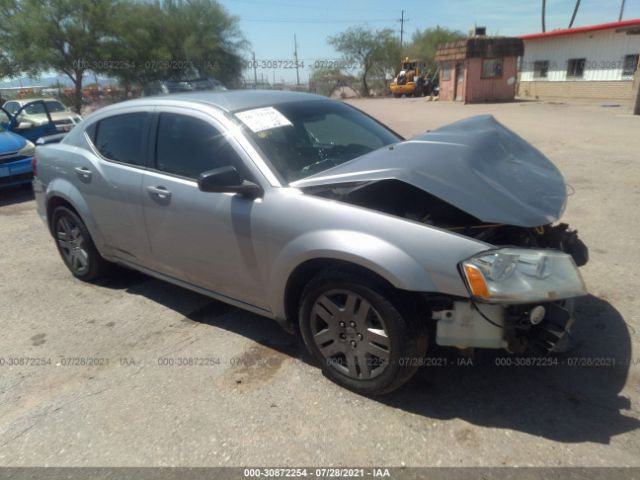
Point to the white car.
(35, 115)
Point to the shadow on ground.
(577, 400)
(15, 195)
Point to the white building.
(599, 61)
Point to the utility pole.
(621, 11)
(575, 12)
(295, 55)
(401, 30)
(255, 72)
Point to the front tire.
(353, 328)
(75, 245)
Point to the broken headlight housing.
(517, 275)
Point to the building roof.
(591, 28)
(479, 47)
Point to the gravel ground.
(252, 398)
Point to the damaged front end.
(478, 179)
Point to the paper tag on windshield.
(260, 119)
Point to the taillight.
(34, 165)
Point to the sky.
(270, 25)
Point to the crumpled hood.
(476, 165)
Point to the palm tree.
(544, 6)
(575, 11)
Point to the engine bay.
(398, 198)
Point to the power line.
(322, 7)
(314, 20)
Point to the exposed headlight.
(516, 275)
(28, 150)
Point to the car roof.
(228, 100)
(27, 100)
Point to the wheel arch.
(307, 270)
(61, 193)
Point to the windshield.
(315, 136)
(38, 108)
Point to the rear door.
(110, 178)
(200, 237)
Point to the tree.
(66, 36)
(206, 36)
(424, 43)
(175, 39)
(138, 52)
(369, 49)
(324, 80)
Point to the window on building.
(630, 65)
(446, 71)
(575, 67)
(491, 68)
(540, 69)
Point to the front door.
(28, 129)
(200, 237)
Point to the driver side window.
(187, 146)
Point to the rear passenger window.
(120, 137)
(188, 146)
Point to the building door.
(458, 84)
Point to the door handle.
(160, 192)
(83, 172)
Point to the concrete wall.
(501, 89)
(614, 90)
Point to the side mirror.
(227, 180)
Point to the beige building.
(598, 62)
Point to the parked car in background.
(33, 112)
(26, 122)
(16, 153)
(166, 87)
(307, 211)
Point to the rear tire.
(76, 247)
(354, 328)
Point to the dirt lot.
(252, 398)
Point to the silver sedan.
(308, 211)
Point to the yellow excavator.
(412, 80)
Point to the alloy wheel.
(72, 245)
(350, 334)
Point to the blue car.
(16, 153)
(17, 144)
